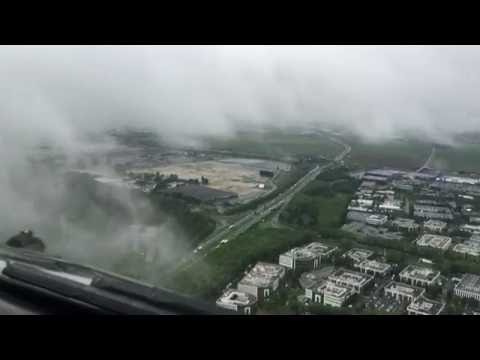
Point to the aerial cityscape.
(274, 185)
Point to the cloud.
(58, 94)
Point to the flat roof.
(310, 251)
(263, 274)
(336, 290)
(469, 282)
(310, 280)
(468, 247)
(432, 222)
(434, 241)
(426, 306)
(377, 217)
(359, 254)
(374, 265)
(419, 272)
(352, 277)
(236, 297)
(404, 289)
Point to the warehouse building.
(468, 287)
(405, 224)
(435, 225)
(238, 301)
(390, 206)
(424, 306)
(262, 280)
(374, 267)
(353, 280)
(435, 241)
(419, 275)
(403, 292)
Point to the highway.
(254, 216)
(426, 165)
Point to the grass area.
(276, 144)
(459, 158)
(404, 154)
(227, 263)
(322, 204)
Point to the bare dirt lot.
(241, 177)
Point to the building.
(374, 267)
(390, 206)
(403, 292)
(238, 301)
(468, 247)
(460, 180)
(358, 255)
(306, 258)
(314, 283)
(335, 295)
(472, 229)
(262, 280)
(357, 216)
(424, 306)
(439, 242)
(419, 275)
(433, 215)
(468, 287)
(405, 224)
(353, 280)
(376, 220)
(435, 225)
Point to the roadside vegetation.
(227, 263)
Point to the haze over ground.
(58, 93)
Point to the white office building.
(468, 287)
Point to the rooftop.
(352, 277)
(434, 241)
(432, 222)
(236, 297)
(314, 279)
(374, 265)
(468, 247)
(404, 289)
(426, 306)
(419, 272)
(469, 282)
(319, 248)
(336, 290)
(359, 254)
(263, 274)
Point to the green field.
(322, 204)
(459, 158)
(207, 279)
(403, 154)
(275, 144)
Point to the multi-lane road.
(230, 232)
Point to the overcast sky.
(58, 93)
(60, 90)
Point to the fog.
(58, 94)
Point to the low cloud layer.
(59, 94)
(179, 90)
